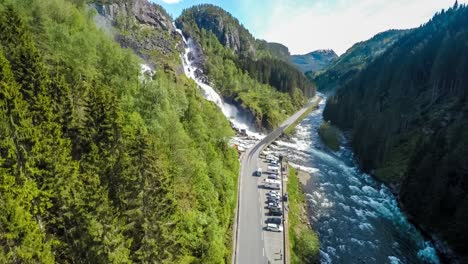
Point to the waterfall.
(231, 112)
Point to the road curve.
(250, 244)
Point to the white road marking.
(263, 251)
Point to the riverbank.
(356, 217)
(330, 136)
(303, 241)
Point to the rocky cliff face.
(313, 61)
(408, 116)
(223, 25)
(144, 12)
(141, 26)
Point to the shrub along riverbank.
(303, 241)
(330, 136)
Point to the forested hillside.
(248, 71)
(99, 164)
(408, 114)
(343, 69)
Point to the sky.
(308, 25)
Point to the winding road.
(250, 247)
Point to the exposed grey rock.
(159, 33)
(150, 14)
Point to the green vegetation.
(290, 129)
(96, 164)
(343, 69)
(303, 241)
(408, 117)
(330, 135)
(241, 70)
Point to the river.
(357, 218)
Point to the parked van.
(272, 169)
(272, 184)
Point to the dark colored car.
(273, 199)
(273, 176)
(274, 220)
(276, 212)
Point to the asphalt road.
(250, 244)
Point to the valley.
(133, 134)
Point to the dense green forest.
(97, 163)
(355, 59)
(244, 69)
(277, 73)
(408, 114)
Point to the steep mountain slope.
(249, 72)
(343, 69)
(98, 163)
(408, 114)
(145, 28)
(223, 25)
(277, 50)
(313, 61)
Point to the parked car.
(272, 205)
(273, 193)
(276, 212)
(274, 228)
(274, 199)
(273, 196)
(274, 220)
(273, 176)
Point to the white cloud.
(338, 26)
(171, 1)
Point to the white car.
(273, 193)
(274, 227)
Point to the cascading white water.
(239, 121)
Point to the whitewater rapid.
(238, 121)
(357, 218)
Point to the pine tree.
(22, 233)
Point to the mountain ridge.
(342, 69)
(314, 61)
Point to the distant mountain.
(313, 61)
(341, 70)
(407, 112)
